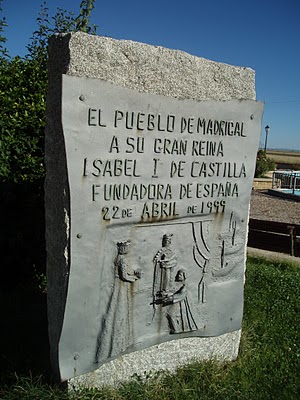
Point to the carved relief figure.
(117, 328)
(165, 261)
(179, 313)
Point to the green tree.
(23, 88)
(264, 164)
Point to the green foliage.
(82, 21)
(39, 282)
(268, 365)
(38, 47)
(263, 164)
(23, 88)
(23, 84)
(63, 21)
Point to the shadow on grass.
(24, 346)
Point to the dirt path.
(271, 208)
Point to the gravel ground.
(271, 208)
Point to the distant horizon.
(281, 149)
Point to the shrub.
(263, 164)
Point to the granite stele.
(148, 184)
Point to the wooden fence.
(274, 236)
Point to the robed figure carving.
(179, 312)
(164, 261)
(178, 308)
(117, 327)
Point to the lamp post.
(267, 129)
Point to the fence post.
(294, 183)
(292, 233)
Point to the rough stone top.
(151, 69)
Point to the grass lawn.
(268, 366)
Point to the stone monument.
(150, 157)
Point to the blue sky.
(260, 34)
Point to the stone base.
(163, 357)
(262, 183)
